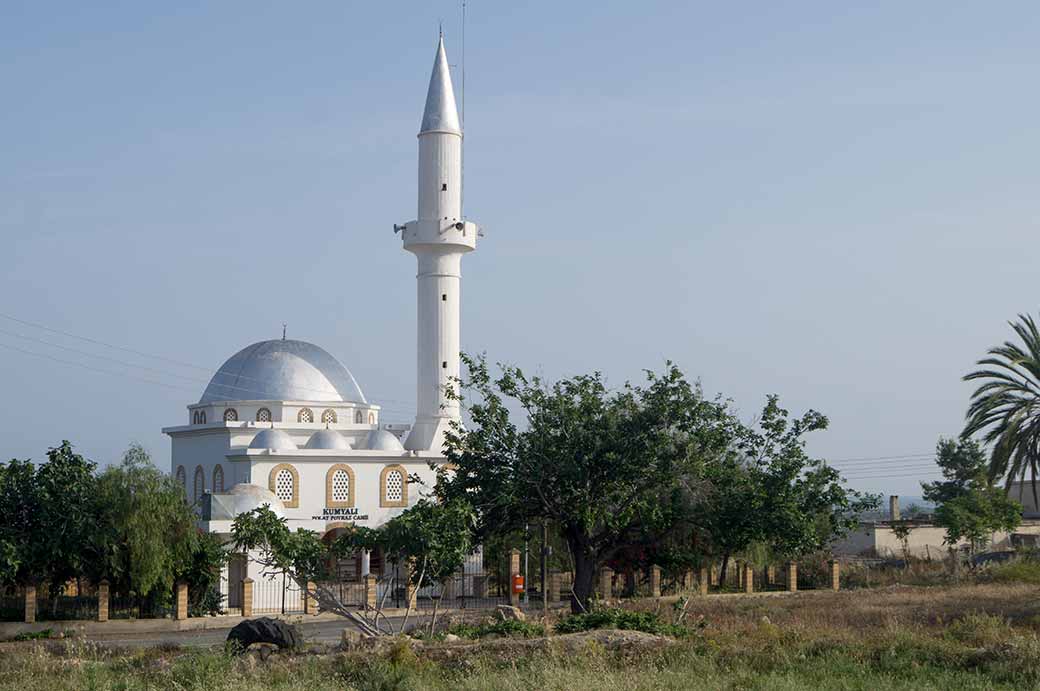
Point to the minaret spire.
(440, 114)
(438, 239)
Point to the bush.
(508, 627)
(616, 618)
(1017, 571)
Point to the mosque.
(284, 423)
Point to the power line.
(163, 358)
(880, 458)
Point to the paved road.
(314, 632)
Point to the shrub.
(508, 627)
(1017, 571)
(616, 618)
(979, 630)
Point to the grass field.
(950, 637)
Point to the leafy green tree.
(145, 533)
(49, 514)
(609, 468)
(1006, 406)
(969, 507)
(434, 538)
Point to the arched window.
(230, 415)
(218, 479)
(371, 418)
(284, 481)
(328, 416)
(359, 417)
(339, 487)
(263, 415)
(202, 417)
(393, 486)
(305, 415)
(194, 417)
(200, 483)
(182, 478)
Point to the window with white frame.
(394, 485)
(284, 483)
(340, 486)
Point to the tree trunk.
(630, 582)
(722, 570)
(584, 575)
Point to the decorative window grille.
(340, 486)
(182, 478)
(328, 416)
(218, 479)
(283, 485)
(394, 486)
(230, 415)
(359, 417)
(305, 415)
(263, 415)
(200, 483)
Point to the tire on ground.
(263, 630)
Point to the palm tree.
(1007, 405)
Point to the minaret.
(438, 239)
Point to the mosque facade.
(284, 424)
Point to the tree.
(433, 538)
(969, 507)
(144, 535)
(48, 515)
(609, 468)
(1006, 406)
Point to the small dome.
(381, 440)
(241, 499)
(274, 439)
(328, 439)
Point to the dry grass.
(958, 637)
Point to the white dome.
(328, 439)
(381, 440)
(283, 371)
(243, 498)
(274, 439)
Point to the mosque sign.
(340, 515)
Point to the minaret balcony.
(440, 233)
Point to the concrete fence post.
(371, 592)
(713, 577)
(606, 583)
(749, 578)
(704, 580)
(180, 601)
(655, 581)
(554, 586)
(102, 600)
(740, 574)
(310, 602)
(792, 576)
(771, 575)
(247, 597)
(835, 575)
(30, 604)
(514, 571)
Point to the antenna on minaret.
(283, 330)
(462, 118)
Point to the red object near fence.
(518, 583)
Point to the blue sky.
(832, 203)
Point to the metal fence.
(66, 607)
(135, 607)
(12, 607)
(277, 594)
